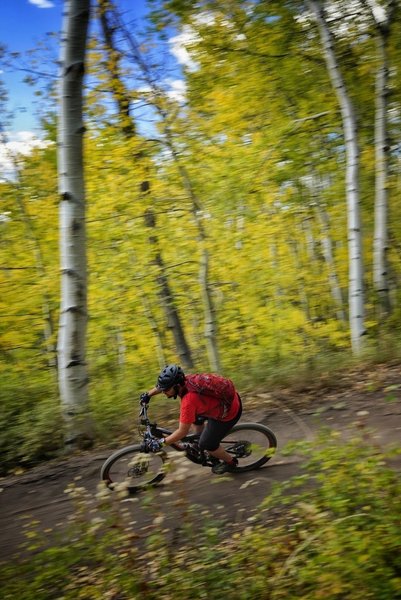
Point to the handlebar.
(143, 414)
(151, 427)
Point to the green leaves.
(332, 533)
(259, 137)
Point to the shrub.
(333, 533)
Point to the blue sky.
(23, 24)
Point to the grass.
(333, 533)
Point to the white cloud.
(173, 88)
(42, 3)
(179, 44)
(18, 144)
(177, 89)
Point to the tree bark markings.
(73, 377)
(356, 294)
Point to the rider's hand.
(144, 399)
(155, 445)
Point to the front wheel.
(132, 469)
(252, 444)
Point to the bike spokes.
(240, 449)
(134, 469)
(252, 444)
(138, 465)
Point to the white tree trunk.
(356, 286)
(209, 311)
(382, 20)
(380, 241)
(73, 378)
(299, 268)
(327, 248)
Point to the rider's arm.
(154, 391)
(146, 396)
(178, 434)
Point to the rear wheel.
(132, 469)
(252, 444)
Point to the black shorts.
(215, 431)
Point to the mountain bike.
(136, 467)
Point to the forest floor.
(367, 402)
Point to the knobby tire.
(133, 469)
(253, 444)
(263, 444)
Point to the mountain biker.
(202, 411)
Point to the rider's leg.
(199, 425)
(221, 454)
(212, 435)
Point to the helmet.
(169, 376)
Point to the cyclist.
(202, 411)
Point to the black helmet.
(169, 376)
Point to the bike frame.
(153, 430)
(239, 445)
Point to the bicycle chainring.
(194, 455)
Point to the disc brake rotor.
(138, 466)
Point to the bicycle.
(135, 466)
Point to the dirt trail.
(40, 494)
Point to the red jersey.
(195, 405)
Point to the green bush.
(31, 429)
(332, 533)
(30, 421)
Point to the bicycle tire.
(124, 467)
(262, 445)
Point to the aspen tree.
(122, 98)
(161, 105)
(382, 19)
(327, 249)
(73, 376)
(356, 293)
